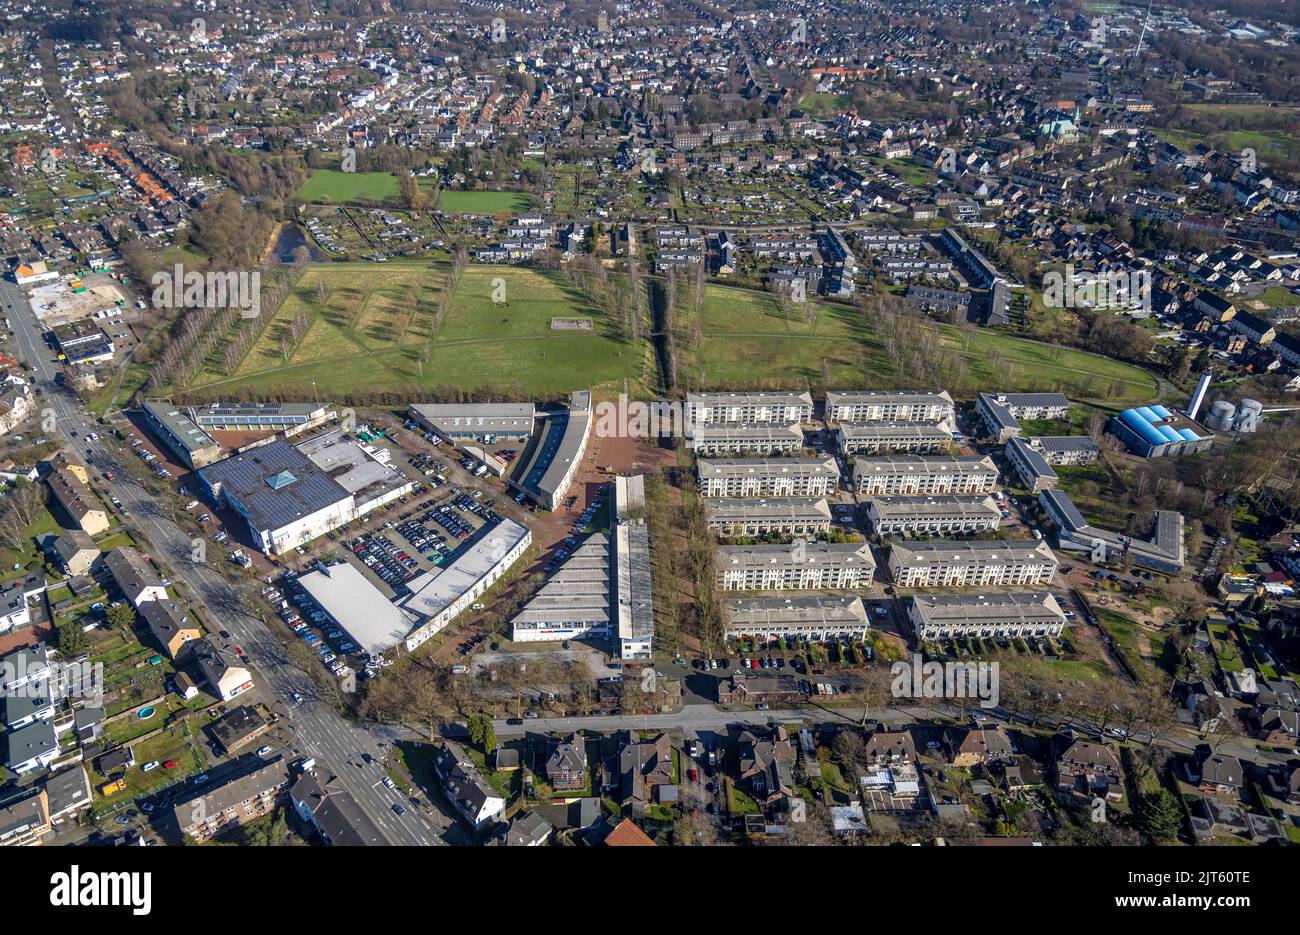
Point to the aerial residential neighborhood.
(650, 424)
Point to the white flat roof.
(357, 606)
(433, 592)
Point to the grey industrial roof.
(184, 431)
(246, 478)
(578, 591)
(635, 608)
(477, 418)
(562, 439)
(433, 592)
(357, 606)
(343, 459)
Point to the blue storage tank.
(1189, 435)
(1161, 411)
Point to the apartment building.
(234, 803)
(79, 506)
(879, 437)
(768, 477)
(916, 474)
(1001, 412)
(735, 438)
(1029, 465)
(1002, 616)
(814, 618)
(894, 515)
(749, 408)
(795, 516)
(889, 406)
(794, 567)
(943, 563)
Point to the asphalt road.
(318, 730)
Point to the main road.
(317, 728)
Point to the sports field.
(747, 341)
(374, 325)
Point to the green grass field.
(344, 187)
(483, 202)
(378, 187)
(362, 339)
(747, 341)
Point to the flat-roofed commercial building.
(289, 495)
(1006, 616)
(356, 606)
(748, 408)
(893, 515)
(889, 406)
(795, 516)
(794, 567)
(919, 474)
(876, 437)
(574, 602)
(812, 617)
(633, 584)
(1157, 432)
(768, 477)
(289, 418)
(186, 439)
(477, 422)
(977, 563)
(557, 455)
(1165, 551)
(437, 597)
(763, 438)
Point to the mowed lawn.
(747, 341)
(378, 187)
(344, 187)
(483, 202)
(373, 328)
